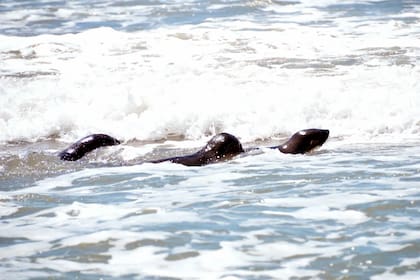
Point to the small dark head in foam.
(86, 145)
(221, 147)
(305, 141)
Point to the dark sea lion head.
(221, 146)
(305, 141)
(86, 145)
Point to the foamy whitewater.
(163, 77)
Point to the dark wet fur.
(85, 145)
(221, 147)
(304, 141)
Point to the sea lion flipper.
(85, 145)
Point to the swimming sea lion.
(85, 145)
(221, 147)
(304, 141)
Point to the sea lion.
(304, 141)
(221, 147)
(85, 145)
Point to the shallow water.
(342, 212)
(163, 77)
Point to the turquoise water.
(163, 77)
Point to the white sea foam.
(7, 208)
(254, 84)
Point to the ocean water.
(163, 77)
